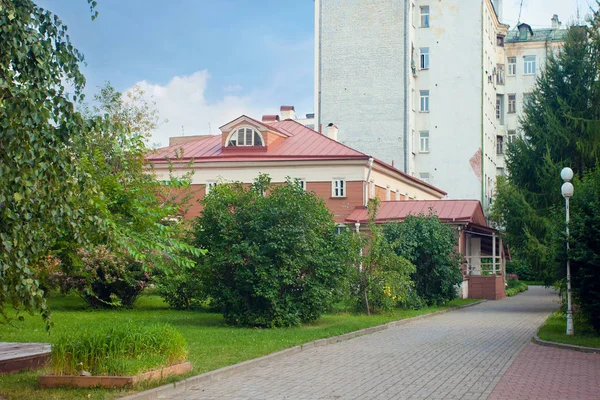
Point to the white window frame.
(423, 100)
(529, 65)
(210, 185)
(424, 142)
(388, 193)
(424, 16)
(512, 135)
(338, 187)
(371, 189)
(236, 132)
(424, 176)
(512, 66)
(527, 97)
(302, 182)
(424, 57)
(397, 194)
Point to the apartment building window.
(529, 65)
(371, 189)
(499, 144)
(527, 97)
(210, 185)
(512, 66)
(424, 57)
(338, 188)
(424, 142)
(500, 40)
(302, 183)
(424, 95)
(424, 176)
(500, 74)
(512, 103)
(512, 135)
(425, 17)
(500, 108)
(388, 194)
(500, 171)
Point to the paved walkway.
(546, 373)
(458, 355)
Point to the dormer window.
(245, 137)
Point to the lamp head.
(567, 189)
(566, 174)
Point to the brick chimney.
(270, 118)
(287, 112)
(332, 131)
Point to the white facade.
(420, 84)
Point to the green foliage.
(585, 246)
(105, 279)
(382, 280)
(43, 190)
(521, 269)
(183, 288)
(560, 127)
(117, 350)
(554, 330)
(430, 245)
(273, 256)
(515, 286)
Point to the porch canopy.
(464, 215)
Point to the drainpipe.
(482, 104)
(360, 252)
(407, 57)
(366, 191)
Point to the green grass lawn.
(556, 325)
(212, 344)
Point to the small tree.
(273, 256)
(383, 277)
(430, 245)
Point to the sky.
(206, 62)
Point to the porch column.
(494, 253)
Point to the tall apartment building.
(423, 85)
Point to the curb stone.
(572, 347)
(230, 370)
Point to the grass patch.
(211, 343)
(556, 325)
(123, 349)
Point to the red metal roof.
(299, 143)
(302, 143)
(468, 211)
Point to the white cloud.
(233, 88)
(182, 103)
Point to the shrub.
(103, 278)
(273, 256)
(183, 289)
(383, 279)
(514, 286)
(430, 245)
(122, 349)
(522, 269)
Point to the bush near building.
(273, 256)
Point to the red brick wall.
(340, 207)
(487, 287)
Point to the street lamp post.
(567, 191)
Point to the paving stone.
(458, 355)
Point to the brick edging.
(230, 370)
(565, 346)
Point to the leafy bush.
(522, 269)
(383, 279)
(514, 286)
(273, 256)
(430, 245)
(585, 245)
(183, 289)
(122, 349)
(103, 278)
